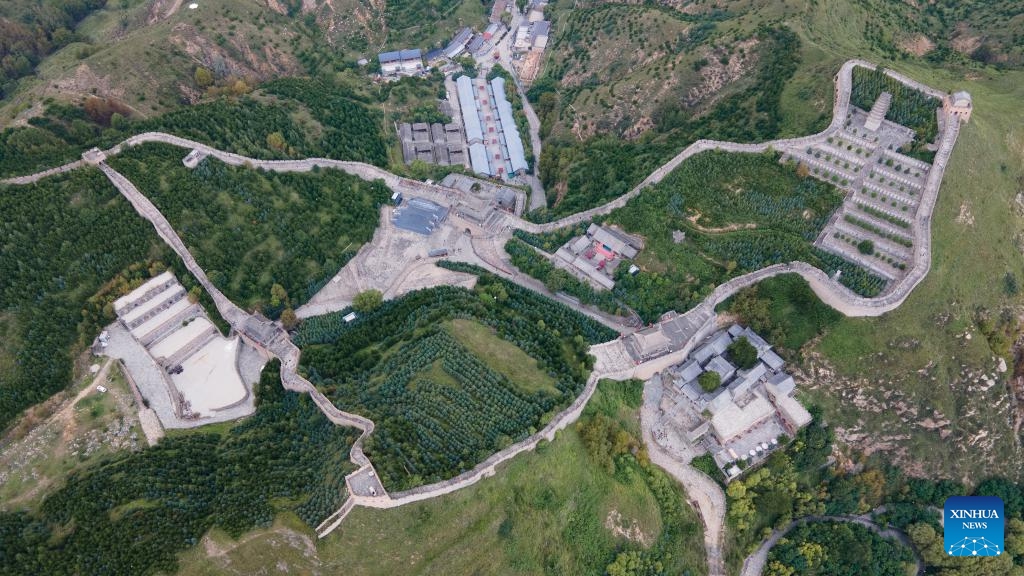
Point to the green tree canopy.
(368, 300)
(743, 353)
(709, 381)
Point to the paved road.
(705, 495)
(755, 563)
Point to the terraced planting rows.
(440, 409)
(875, 226)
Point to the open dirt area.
(395, 262)
(79, 430)
(918, 45)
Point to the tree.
(278, 295)
(276, 141)
(866, 247)
(367, 300)
(203, 77)
(557, 280)
(288, 319)
(802, 170)
(709, 381)
(743, 353)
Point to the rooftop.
(400, 55)
(516, 153)
(732, 420)
(420, 216)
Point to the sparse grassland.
(784, 310)
(585, 172)
(501, 355)
(911, 386)
(71, 431)
(553, 510)
(928, 357)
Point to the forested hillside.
(29, 31)
(289, 118)
(589, 172)
(61, 242)
(133, 513)
(738, 213)
(439, 408)
(267, 240)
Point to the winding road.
(705, 494)
(755, 563)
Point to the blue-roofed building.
(478, 159)
(458, 44)
(434, 55)
(475, 44)
(509, 130)
(420, 216)
(470, 112)
(401, 62)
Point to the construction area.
(184, 369)
(531, 40)
(462, 214)
(742, 420)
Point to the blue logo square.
(973, 526)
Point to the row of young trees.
(911, 108)
(133, 513)
(428, 429)
(439, 409)
(61, 241)
(713, 199)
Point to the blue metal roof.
(470, 114)
(516, 152)
(399, 55)
(420, 216)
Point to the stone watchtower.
(959, 105)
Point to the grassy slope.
(881, 358)
(33, 465)
(553, 504)
(136, 53)
(148, 61)
(501, 355)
